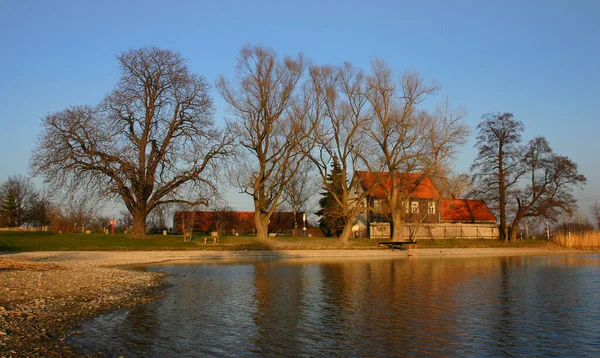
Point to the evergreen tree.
(8, 208)
(332, 221)
(17, 196)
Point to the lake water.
(491, 306)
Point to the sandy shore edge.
(44, 295)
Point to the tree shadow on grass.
(9, 249)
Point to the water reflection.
(468, 307)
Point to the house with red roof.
(424, 204)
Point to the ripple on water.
(543, 305)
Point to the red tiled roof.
(465, 210)
(415, 185)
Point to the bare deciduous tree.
(497, 167)
(125, 220)
(152, 141)
(157, 219)
(41, 208)
(75, 213)
(223, 216)
(453, 185)
(574, 222)
(299, 190)
(521, 181)
(82, 209)
(341, 105)
(548, 182)
(595, 210)
(271, 126)
(409, 139)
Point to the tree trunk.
(501, 234)
(502, 194)
(346, 231)
(512, 234)
(139, 223)
(513, 230)
(397, 226)
(262, 226)
(294, 212)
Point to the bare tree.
(82, 210)
(574, 222)
(595, 210)
(271, 126)
(41, 208)
(74, 212)
(498, 166)
(409, 139)
(548, 182)
(185, 220)
(299, 190)
(17, 198)
(152, 141)
(341, 106)
(453, 185)
(59, 220)
(521, 181)
(99, 223)
(157, 219)
(125, 220)
(223, 216)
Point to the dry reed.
(578, 240)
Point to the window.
(377, 205)
(414, 207)
(431, 207)
(407, 207)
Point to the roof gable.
(415, 185)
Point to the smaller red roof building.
(232, 221)
(466, 211)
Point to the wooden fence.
(439, 231)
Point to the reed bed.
(578, 240)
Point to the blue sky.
(536, 59)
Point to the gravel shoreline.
(44, 295)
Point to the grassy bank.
(46, 241)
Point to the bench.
(412, 245)
(215, 239)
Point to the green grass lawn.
(47, 241)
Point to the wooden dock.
(409, 246)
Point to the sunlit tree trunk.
(346, 231)
(261, 221)
(397, 226)
(139, 223)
